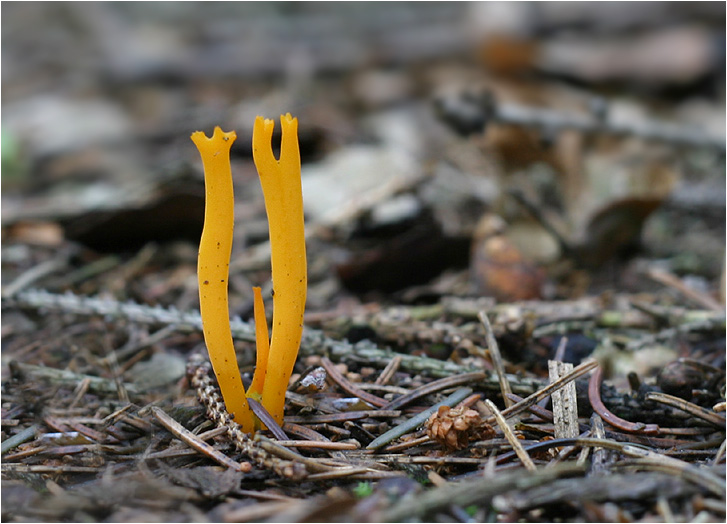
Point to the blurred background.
(510, 150)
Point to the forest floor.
(515, 252)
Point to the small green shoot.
(363, 489)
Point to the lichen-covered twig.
(313, 342)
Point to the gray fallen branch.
(314, 342)
(470, 112)
(477, 491)
(66, 377)
(616, 487)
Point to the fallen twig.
(510, 436)
(419, 419)
(521, 406)
(433, 387)
(68, 378)
(478, 490)
(668, 279)
(196, 443)
(476, 110)
(565, 402)
(496, 358)
(20, 437)
(350, 387)
(689, 407)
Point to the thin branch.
(197, 443)
(510, 436)
(418, 420)
(472, 112)
(314, 341)
(433, 387)
(689, 407)
(505, 388)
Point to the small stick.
(689, 407)
(305, 432)
(347, 472)
(580, 441)
(560, 351)
(91, 433)
(81, 390)
(66, 377)
(598, 464)
(216, 432)
(559, 354)
(196, 443)
(282, 452)
(116, 372)
(20, 437)
(668, 279)
(470, 401)
(385, 388)
(349, 387)
(536, 410)
(318, 444)
(521, 406)
(433, 387)
(505, 388)
(419, 419)
(391, 368)
(28, 468)
(408, 444)
(262, 413)
(136, 422)
(510, 436)
(720, 453)
(436, 479)
(565, 402)
(650, 460)
(343, 417)
(594, 395)
(662, 504)
(33, 274)
(259, 512)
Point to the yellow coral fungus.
(281, 185)
(213, 268)
(262, 343)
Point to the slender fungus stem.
(213, 268)
(262, 344)
(283, 194)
